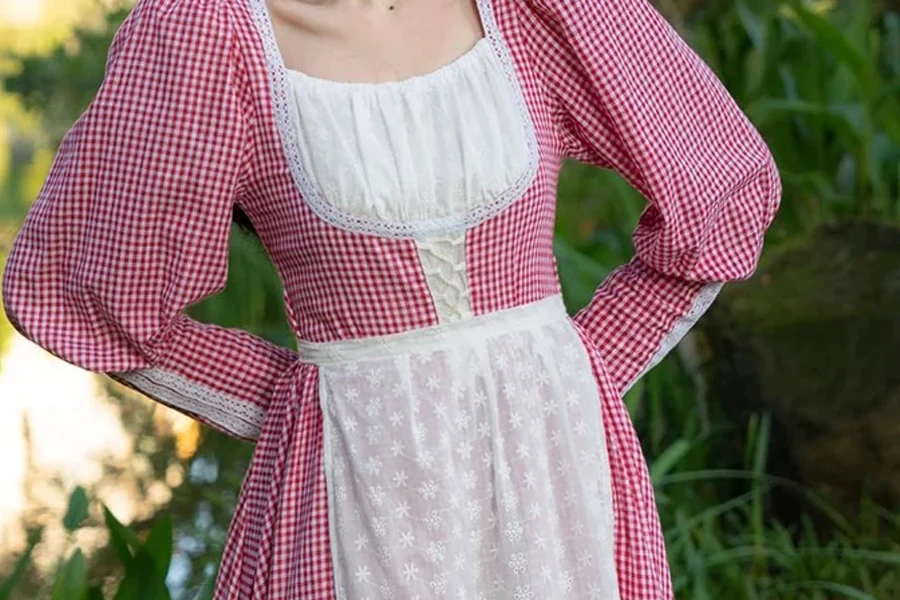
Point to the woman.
(444, 428)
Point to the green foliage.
(144, 563)
(8, 584)
(77, 511)
(715, 500)
(71, 581)
(821, 84)
(60, 85)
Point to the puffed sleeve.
(629, 94)
(131, 225)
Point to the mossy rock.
(814, 337)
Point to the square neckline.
(436, 73)
(285, 117)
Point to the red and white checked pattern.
(132, 223)
(631, 95)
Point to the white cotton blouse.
(428, 147)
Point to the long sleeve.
(132, 223)
(629, 94)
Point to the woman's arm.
(630, 95)
(132, 225)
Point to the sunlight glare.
(21, 13)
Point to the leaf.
(130, 587)
(209, 587)
(847, 120)
(892, 41)
(124, 540)
(887, 112)
(666, 461)
(634, 396)
(148, 583)
(141, 581)
(8, 584)
(146, 569)
(71, 581)
(752, 23)
(95, 593)
(579, 274)
(77, 510)
(159, 543)
(831, 37)
(846, 591)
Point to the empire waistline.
(546, 310)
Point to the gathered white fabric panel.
(418, 150)
(468, 461)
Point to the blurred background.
(773, 430)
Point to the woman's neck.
(354, 39)
(350, 4)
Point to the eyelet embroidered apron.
(467, 460)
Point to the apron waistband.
(479, 327)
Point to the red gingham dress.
(132, 226)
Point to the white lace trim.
(702, 302)
(231, 414)
(286, 115)
(444, 263)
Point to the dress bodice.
(428, 156)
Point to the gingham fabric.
(630, 95)
(131, 227)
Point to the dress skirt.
(467, 460)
